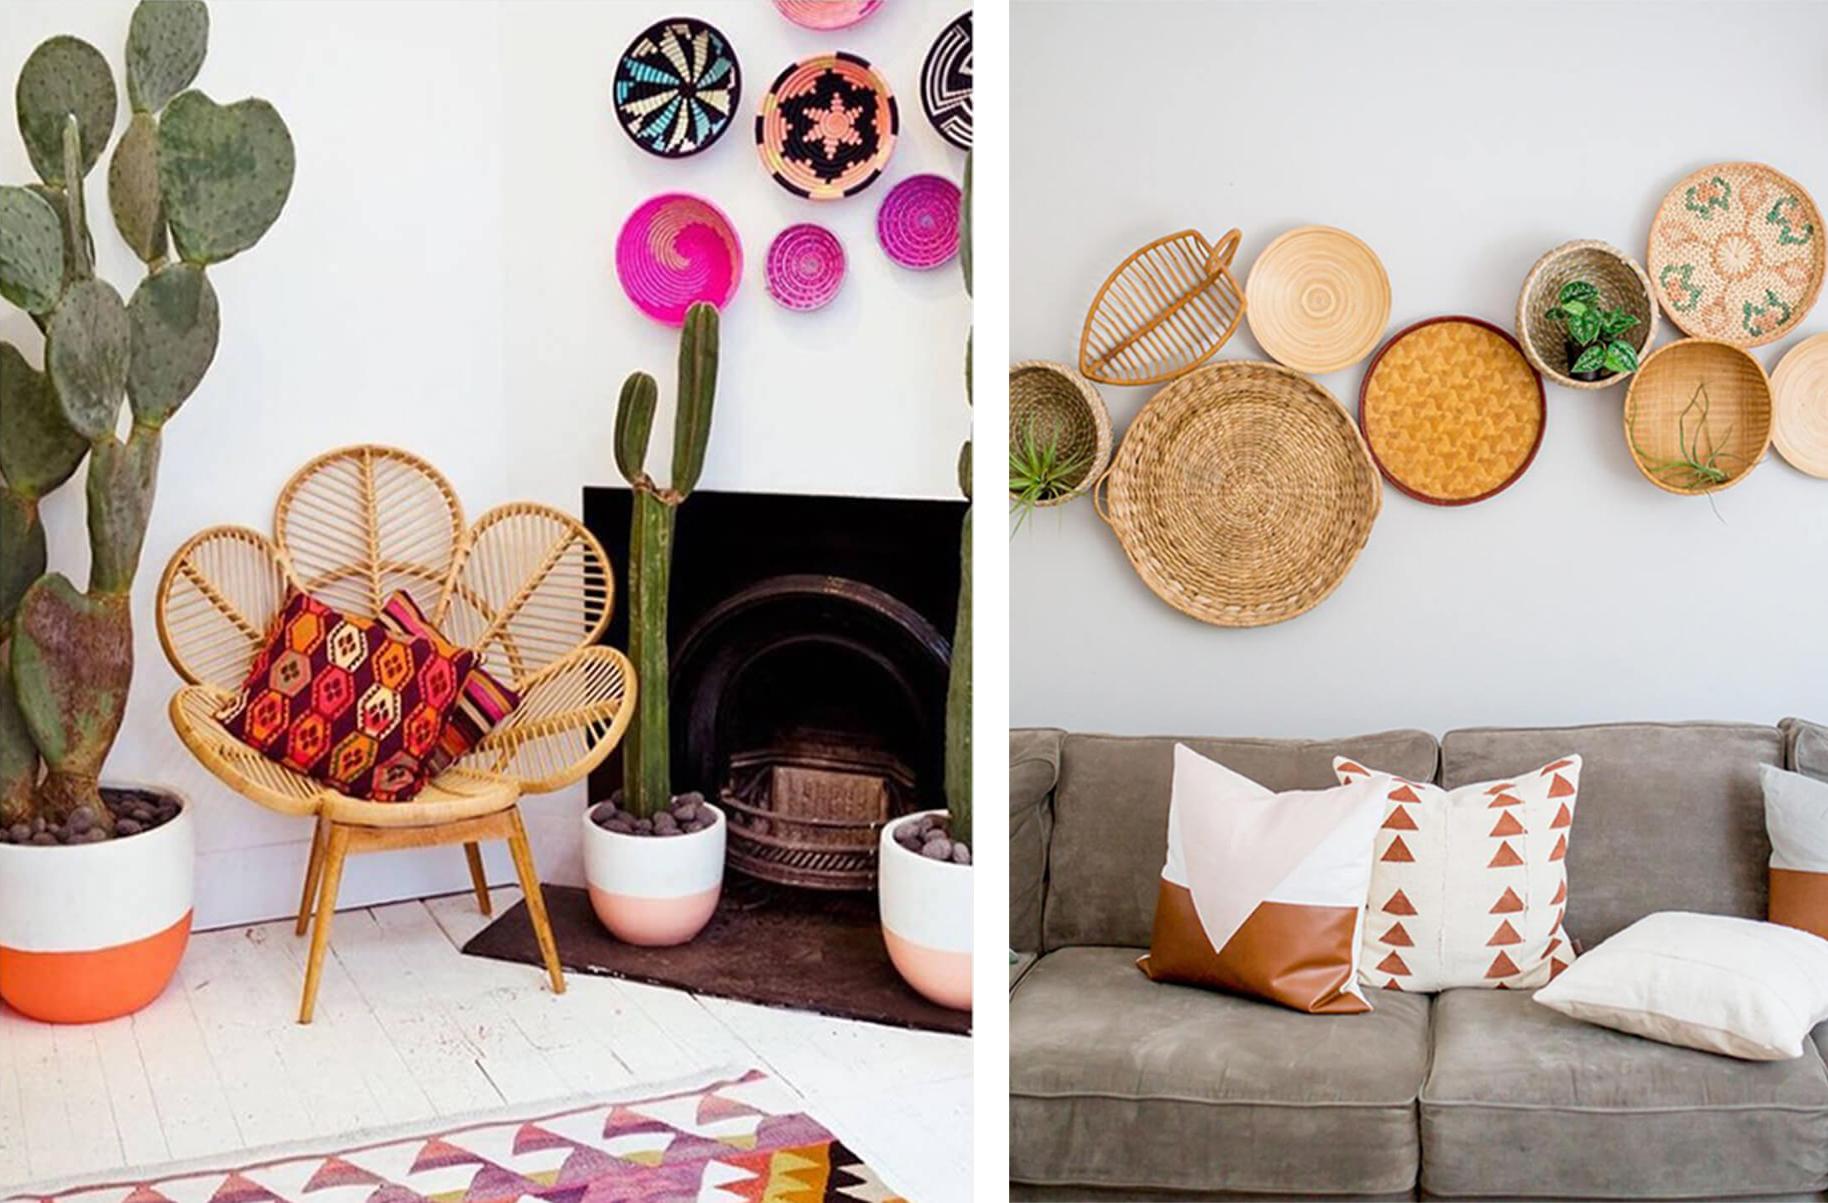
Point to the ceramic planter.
(654, 890)
(95, 931)
(926, 919)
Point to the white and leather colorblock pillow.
(1469, 886)
(1264, 893)
(1724, 985)
(1796, 818)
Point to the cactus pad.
(133, 188)
(38, 450)
(64, 75)
(226, 171)
(122, 478)
(22, 555)
(31, 250)
(86, 351)
(175, 321)
(72, 660)
(165, 47)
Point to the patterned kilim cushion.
(346, 701)
(482, 701)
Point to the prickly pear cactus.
(207, 178)
(647, 776)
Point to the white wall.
(442, 279)
(1461, 141)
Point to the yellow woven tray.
(1452, 410)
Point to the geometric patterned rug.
(736, 1140)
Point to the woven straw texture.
(945, 82)
(805, 266)
(1319, 299)
(1242, 494)
(1799, 397)
(1167, 309)
(1452, 411)
(1050, 398)
(674, 250)
(826, 14)
(1622, 285)
(917, 223)
(1736, 253)
(1661, 421)
(827, 126)
(677, 87)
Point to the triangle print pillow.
(1263, 893)
(1469, 886)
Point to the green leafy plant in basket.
(1043, 468)
(1595, 334)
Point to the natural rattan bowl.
(1242, 494)
(1663, 421)
(1622, 284)
(1318, 299)
(1051, 397)
(1799, 393)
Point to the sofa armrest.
(1034, 766)
(1805, 747)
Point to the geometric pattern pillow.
(1263, 894)
(346, 701)
(1469, 886)
(1796, 817)
(482, 701)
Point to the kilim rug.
(735, 1139)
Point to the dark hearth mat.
(778, 947)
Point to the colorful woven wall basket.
(918, 221)
(805, 266)
(677, 249)
(945, 83)
(1736, 253)
(677, 87)
(827, 127)
(826, 14)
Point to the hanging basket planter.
(1051, 400)
(1622, 285)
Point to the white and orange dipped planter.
(926, 919)
(655, 891)
(90, 932)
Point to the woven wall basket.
(1799, 394)
(1622, 285)
(1242, 494)
(1052, 397)
(1319, 299)
(1662, 423)
(1167, 309)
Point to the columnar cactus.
(958, 688)
(187, 173)
(647, 779)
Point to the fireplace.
(809, 641)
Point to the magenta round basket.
(918, 222)
(826, 14)
(677, 249)
(805, 266)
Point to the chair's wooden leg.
(474, 853)
(314, 869)
(337, 849)
(536, 901)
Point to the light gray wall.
(1455, 141)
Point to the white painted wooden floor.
(408, 1029)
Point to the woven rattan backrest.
(1165, 310)
(218, 593)
(359, 522)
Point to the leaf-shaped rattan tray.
(1165, 310)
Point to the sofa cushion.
(1111, 816)
(1806, 748)
(1671, 815)
(1034, 767)
(1522, 1102)
(1119, 1082)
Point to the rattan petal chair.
(527, 586)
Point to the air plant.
(1044, 467)
(1695, 468)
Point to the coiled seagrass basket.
(1242, 494)
(1051, 400)
(1622, 285)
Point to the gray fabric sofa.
(1122, 1088)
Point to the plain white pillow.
(1735, 986)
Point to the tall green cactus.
(216, 178)
(647, 776)
(958, 687)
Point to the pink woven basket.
(918, 222)
(826, 14)
(677, 249)
(805, 266)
